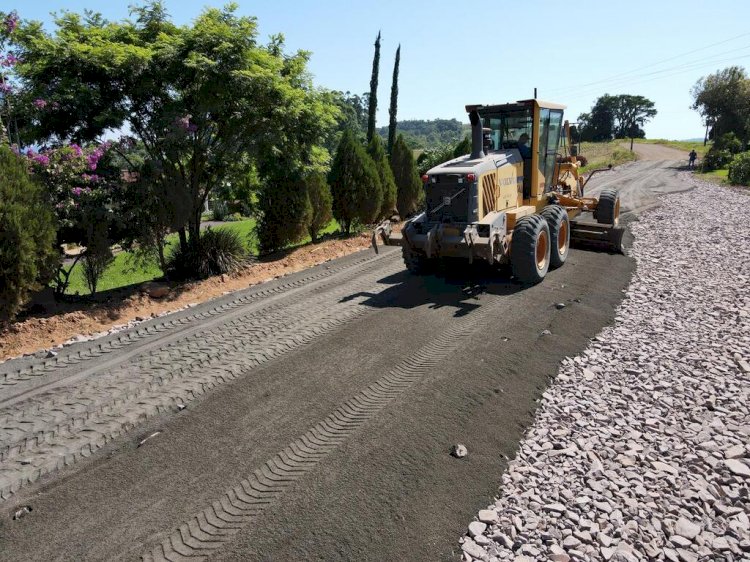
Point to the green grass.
(601, 154)
(720, 175)
(124, 271)
(687, 146)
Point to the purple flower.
(42, 159)
(5, 88)
(11, 22)
(77, 191)
(92, 178)
(77, 149)
(39, 103)
(9, 60)
(30, 153)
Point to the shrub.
(739, 169)
(410, 191)
(729, 142)
(234, 217)
(355, 184)
(220, 211)
(321, 200)
(218, 251)
(285, 210)
(376, 150)
(27, 235)
(716, 158)
(95, 263)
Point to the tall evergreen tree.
(376, 150)
(355, 184)
(321, 200)
(394, 103)
(373, 105)
(410, 193)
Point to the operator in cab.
(523, 146)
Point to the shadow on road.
(454, 284)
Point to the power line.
(651, 65)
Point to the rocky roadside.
(640, 449)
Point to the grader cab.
(518, 197)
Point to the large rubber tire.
(530, 249)
(559, 234)
(415, 263)
(608, 208)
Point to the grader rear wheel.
(530, 249)
(416, 264)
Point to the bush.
(285, 210)
(234, 217)
(95, 263)
(715, 159)
(355, 184)
(321, 200)
(729, 142)
(376, 150)
(220, 211)
(410, 189)
(739, 169)
(27, 235)
(218, 251)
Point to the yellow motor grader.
(516, 198)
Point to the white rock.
(477, 528)
(738, 467)
(687, 529)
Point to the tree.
(599, 124)
(285, 209)
(410, 193)
(205, 101)
(376, 150)
(723, 100)
(394, 103)
(463, 147)
(631, 113)
(373, 100)
(321, 201)
(355, 184)
(27, 235)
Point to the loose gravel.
(640, 449)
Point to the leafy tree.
(205, 101)
(599, 124)
(355, 184)
(285, 209)
(722, 152)
(321, 201)
(27, 235)
(353, 112)
(739, 169)
(373, 99)
(410, 193)
(394, 102)
(621, 116)
(376, 150)
(631, 113)
(723, 100)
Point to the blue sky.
(457, 53)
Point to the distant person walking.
(691, 158)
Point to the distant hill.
(421, 133)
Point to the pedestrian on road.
(692, 156)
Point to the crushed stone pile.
(640, 449)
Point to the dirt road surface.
(310, 418)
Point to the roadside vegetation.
(212, 115)
(602, 154)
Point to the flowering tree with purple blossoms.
(8, 60)
(85, 190)
(205, 102)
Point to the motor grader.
(508, 201)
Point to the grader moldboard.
(506, 201)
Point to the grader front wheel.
(559, 230)
(608, 208)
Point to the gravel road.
(308, 418)
(640, 449)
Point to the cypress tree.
(355, 184)
(394, 103)
(27, 235)
(410, 194)
(376, 150)
(320, 199)
(285, 208)
(373, 105)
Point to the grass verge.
(125, 270)
(601, 154)
(687, 146)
